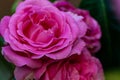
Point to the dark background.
(5, 7)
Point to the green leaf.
(115, 33)
(98, 10)
(52, 0)
(113, 74)
(15, 5)
(1, 41)
(6, 69)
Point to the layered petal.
(82, 67)
(93, 32)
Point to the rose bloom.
(39, 29)
(93, 34)
(76, 67)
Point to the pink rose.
(93, 34)
(39, 29)
(82, 67)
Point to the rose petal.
(21, 72)
(18, 60)
(4, 24)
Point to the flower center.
(39, 27)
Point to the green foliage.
(15, 5)
(52, 0)
(112, 74)
(98, 10)
(115, 35)
(101, 11)
(6, 69)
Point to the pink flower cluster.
(52, 41)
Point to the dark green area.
(110, 52)
(101, 11)
(113, 74)
(6, 69)
(16, 2)
(52, 0)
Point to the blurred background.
(5, 7)
(107, 12)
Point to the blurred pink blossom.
(93, 34)
(82, 67)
